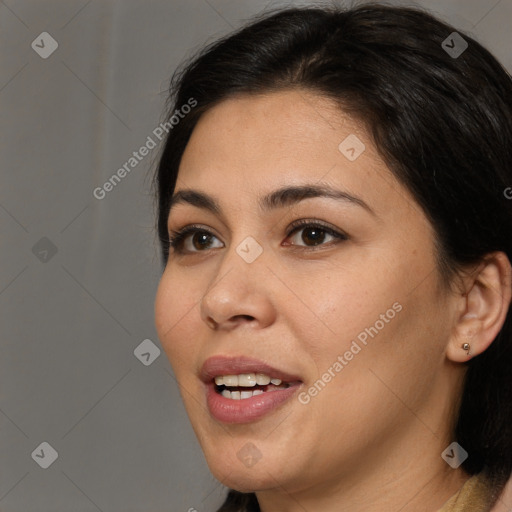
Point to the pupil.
(316, 239)
(199, 236)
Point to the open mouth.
(242, 389)
(243, 386)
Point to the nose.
(239, 293)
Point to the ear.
(483, 307)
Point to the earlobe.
(464, 343)
(484, 307)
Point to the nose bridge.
(237, 287)
(245, 254)
(240, 264)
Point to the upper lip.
(236, 365)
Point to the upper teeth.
(246, 380)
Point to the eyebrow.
(277, 199)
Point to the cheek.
(389, 363)
(176, 317)
(373, 321)
(338, 305)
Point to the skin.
(371, 439)
(504, 503)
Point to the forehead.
(274, 133)
(249, 145)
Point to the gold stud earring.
(466, 347)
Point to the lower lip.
(246, 410)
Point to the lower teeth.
(242, 395)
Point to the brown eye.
(314, 234)
(201, 240)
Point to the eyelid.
(312, 221)
(178, 236)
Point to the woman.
(335, 227)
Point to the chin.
(245, 480)
(249, 476)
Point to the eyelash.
(176, 238)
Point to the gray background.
(70, 321)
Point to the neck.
(409, 491)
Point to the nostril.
(211, 323)
(245, 317)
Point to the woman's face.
(357, 320)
